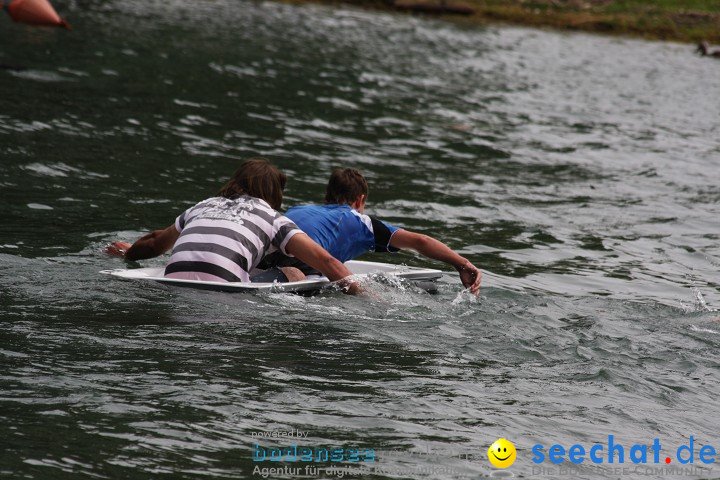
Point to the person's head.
(347, 185)
(259, 178)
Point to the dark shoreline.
(645, 19)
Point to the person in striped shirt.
(223, 238)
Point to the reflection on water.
(578, 171)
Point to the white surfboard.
(360, 268)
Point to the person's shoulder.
(314, 206)
(361, 218)
(255, 204)
(299, 208)
(316, 210)
(212, 201)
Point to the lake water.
(579, 172)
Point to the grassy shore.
(685, 21)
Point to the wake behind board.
(357, 267)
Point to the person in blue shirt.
(343, 229)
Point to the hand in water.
(350, 286)
(471, 277)
(117, 249)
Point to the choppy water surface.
(579, 172)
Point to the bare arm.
(470, 275)
(307, 251)
(151, 245)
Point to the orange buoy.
(35, 12)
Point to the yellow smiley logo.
(502, 453)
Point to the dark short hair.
(259, 178)
(345, 186)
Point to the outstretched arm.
(151, 245)
(470, 275)
(307, 251)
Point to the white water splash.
(703, 330)
(700, 304)
(464, 296)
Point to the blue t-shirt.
(343, 231)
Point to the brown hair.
(345, 186)
(259, 178)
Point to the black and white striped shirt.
(223, 239)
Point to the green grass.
(689, 21)
(685, 21)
